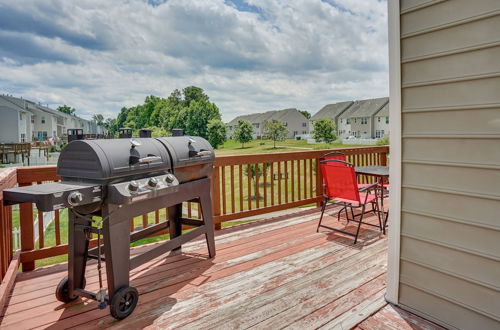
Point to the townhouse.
(359, 119)
(295, 122)
(24, 121)
(332, 111)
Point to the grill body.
(104, 184)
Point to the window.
(387, 120)
(286, 124)
(378, 119)
(23, 137)
(32, 119)
(304, 124)
(304, 132)
(364, 120)
(43, 120)
(20, 116)
(355, 119)
(295, 133)
(341, 120)
(348, 120)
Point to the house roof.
(264, 116)
(365, 108)
(12, 103)
(384, 111)
(332, 110)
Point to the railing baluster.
(232, 189)
(57, 227)
(223, 176)
(299, 193)
(310, 177)
(257, 192)
(279, 182)
(132, 226)
(249, 186)
(144, 220)
(272, 183)
(241, 187)
(189, 211)
(264, 174)
(157, 216)
(286, 181)
(292, 165)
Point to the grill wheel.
(62, 290)
(124, 302)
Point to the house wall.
(343, 128)
(365, 130)
(9, 125)
(295, 122)
(380, 124)
(449, 269)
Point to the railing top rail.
(293, 155)
(8, 179)
(27, 175)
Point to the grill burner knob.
(133, 186)
(75, 198)
(169, 178)
(153, 182)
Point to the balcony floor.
(267, 275)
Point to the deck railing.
(242, 186)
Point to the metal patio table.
(382, 173)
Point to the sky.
(248, 55)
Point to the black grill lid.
(112, 160)
(188, 150)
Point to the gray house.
(359, 119)
(15, 122)
(332, 111)
(295, 122)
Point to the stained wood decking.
(268, 275)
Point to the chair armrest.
(368, 187)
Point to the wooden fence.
(242, 186)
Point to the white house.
(15, 123)
(358, 120)
(295, 122)
(37, 122)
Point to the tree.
(243, 132)
(324, 130)
(275, 130)
(98, 119)
(194, 119)
(216, 131)
(306, 113)
(66, 109)
(193, 93)
(254, 170)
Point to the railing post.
(216, 196)
(27, 231)
(319, 182)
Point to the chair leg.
(321, 217)
(359, 224)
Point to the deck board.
(269, 274)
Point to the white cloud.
(101, 55)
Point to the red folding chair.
(341, 188)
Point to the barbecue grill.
(105, 183)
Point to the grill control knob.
(133, 186)
(75, 198)
(153, 182)
(169, 178)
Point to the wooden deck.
(267, 275)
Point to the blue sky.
(248, 55)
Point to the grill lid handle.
(149, 159)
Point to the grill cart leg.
(175, 225)
(78, 245)
(206, 211)
(116, 234)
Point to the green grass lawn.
(232, 147)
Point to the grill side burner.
(104, 184)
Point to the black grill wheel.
(62, 290)
(124, 302)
